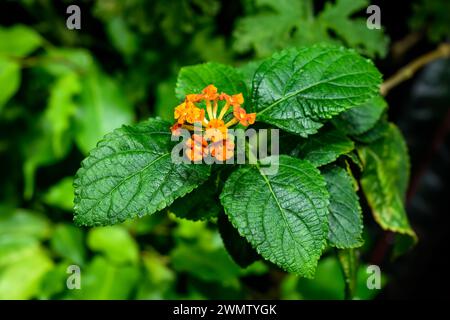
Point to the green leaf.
(18, 41)
(201, 204)
(379, 130)
(194, 79)
(21, 279)
(293, 23)
(115, 242)
(348, 259)
(298, 90)
(9, 79)
(354, 31)
(103, 280)
(103, 107)
(60, 110)
(362, 118)
(206, 264)
(131, 174)
(345, 218)
(283, 216)
(67, 242)
(22, 222)
(324, 147)
(385, 179)
(237, 246)
(60, 195)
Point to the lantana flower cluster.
(210, 136)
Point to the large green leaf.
(324, 147)
(345, 217)
(284, 216)
(103, 107)
(385, 179)
(298, 90)
(131, 174)
(194, 79)
(9, 79)
(362, 118)
(18, 41)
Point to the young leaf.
(362, 118)
(324, 147)
(9, 79)
(348, 260)
(194, 79)
(130, 174)
(298, 90)
(345, 217)
(385, 179)
(18, 41)
(284, 216)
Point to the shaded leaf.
(323, 147)
(345, 218)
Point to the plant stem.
(405, 73)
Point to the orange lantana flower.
(213, 127)
(243, 117)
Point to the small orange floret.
(210, 93)
(222, 150)
(196, 148)
(241, 115)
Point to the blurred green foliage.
(62, 90)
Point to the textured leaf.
(115, 242)
(345, 218)
(284, 216)
(103, 107)
(194, 79)
(362, 118)
(18, 41)
(324, 147)
(298, 90)
(385, 179)
(9, 79)
(131, 174)
(237, 246)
